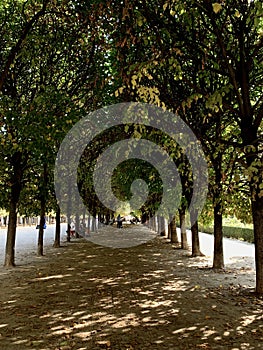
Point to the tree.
(214, 51)
(46, 80)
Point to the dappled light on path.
(126, 237)
(152, 296)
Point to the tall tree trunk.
(84, 222)
(154, 223)
(254, 158)
(257, 212)
(77, 217)
(99, 220)
(69, 211)
(16, 186)
(43, 200)
(184, 243)
(88, 225)
(77, 225)
(40, 243)
(161, 226)
(144, 217)
(169, 230)
(218, 261)
(68, 228)
(174, 236)
(195, 237)
(93, 223)
(11, 236)
(57, 229)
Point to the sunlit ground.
(151, 296)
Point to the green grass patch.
(240, 233)
(232, 228)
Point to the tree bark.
(257, 212)
(161, 226)
(68, 229)
(43, 201)
(77, 225)
(249, 137)
(87, 231)
(218, 260)
(184, 243)
(169, 230)
(16, 186)
(11, 236)
(69, 211)
(57, 229)
(174, 236)
(40, 243)
(93, 223)
(195, 237)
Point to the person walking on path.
(119, 221)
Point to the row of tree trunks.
(172, 232)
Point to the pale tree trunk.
(69, 208)
(174, 236)
(195, 237)
(154, 224)
(161, 226)
(88, 225)
(184, 243)
(93, 223)
(77, 218)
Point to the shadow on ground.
(152, 296)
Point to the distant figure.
(119, 221)
(72, 229)
(135, 220)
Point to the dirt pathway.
(151, 296)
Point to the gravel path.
(85, 296)
(236, 253)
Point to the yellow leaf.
(217, 7)
(165, 6)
